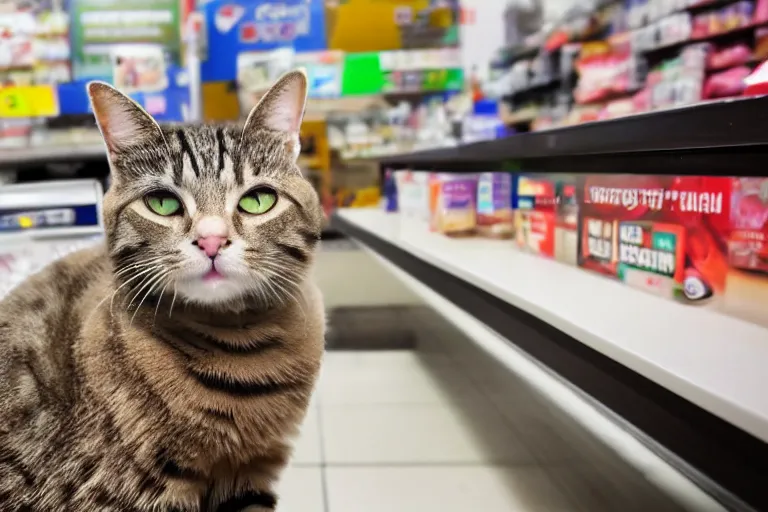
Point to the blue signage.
(168, 105)
(236, 26)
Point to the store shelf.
(718, 37)
(715, 126)
(50, 154)
(690, 378)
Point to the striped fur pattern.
(128, 383)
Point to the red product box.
(748, 243)
(664, 234)
(535, 217)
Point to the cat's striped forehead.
(215, 156)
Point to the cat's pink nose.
(211, 245)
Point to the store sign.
(276, 22)
(131, 21)
(235, 27)
(97, 25)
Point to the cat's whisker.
(112, 302)
(170, 311)
(285, 289)
(140, 287)
(159, 300)
(153, 282)
(133, 266)
(101, 302)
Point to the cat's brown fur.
(108, 404)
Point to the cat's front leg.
(254, 501)
(252, 489)
(250, 501)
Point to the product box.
(695, 239)
(495, 218)
(663, 234)
(746, 294)
(567, 221)
(546, 218)
(748, 243)
(453, 200)
(535, 215)
(413, 194)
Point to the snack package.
(413, 194)
(453, 199)
(535, 215)
(495, 218)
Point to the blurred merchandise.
(20, 259)
(360, 198)
(61, 208)
(453, 200)
(412, 190)
(757, 82)
(535, 215)
(695, 239)
(495, 217)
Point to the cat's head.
(216, 215)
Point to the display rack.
(714, 127)
(689, 379)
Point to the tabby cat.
(169, 369)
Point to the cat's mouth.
(213, 275)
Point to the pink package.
(726, 84)
(728, 57)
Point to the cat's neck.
(221, 317)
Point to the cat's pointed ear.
(123, 123)
(281, 109)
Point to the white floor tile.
(408, 434)
(397, 377)
(301, 490)
(443, 489)
(307, 449)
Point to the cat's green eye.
(258, 201)
(163, 203)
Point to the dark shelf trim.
(733, 463)
(735, 33)
(714, 127)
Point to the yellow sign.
(370, 25)
(28, 101)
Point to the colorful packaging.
(413, 194)
(453, 199)
(535, 216)
(748, 244)
(391, 191)
(567, 222)
(695, 239)
(494, 205)
(546, 218)
(658, 233)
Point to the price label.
(28, 101)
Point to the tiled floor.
(395, 431)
